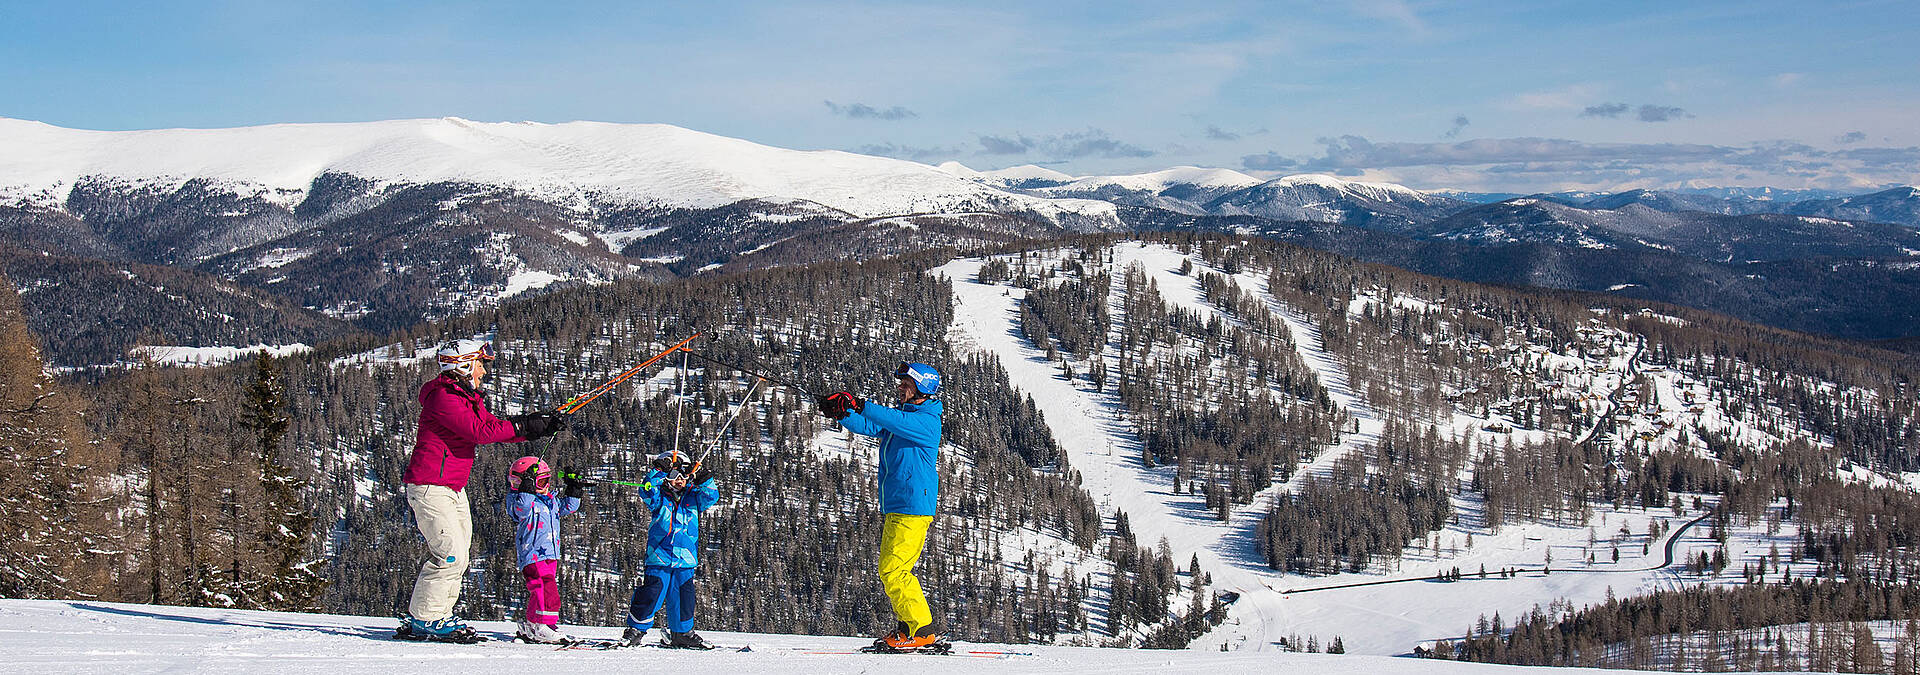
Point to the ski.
(935, 649)
(467, 637)
(611, 645)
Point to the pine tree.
(287, 527)
(48, 477)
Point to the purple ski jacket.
(536, 517)
(453, 419)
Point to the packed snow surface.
(647, 164)
(54, 636)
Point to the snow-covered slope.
(642, 164)
(1161, 180)
(1023, 176)
(52, 636)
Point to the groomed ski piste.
(1388, 619)
(47, 636)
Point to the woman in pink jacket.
(453, 420)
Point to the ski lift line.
(769, 378)
(574, 404)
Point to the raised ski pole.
(776, 380)
(580, 400)
(722, 436)
(574, 404)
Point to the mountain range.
(371, 226)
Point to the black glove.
(527, 482)
(662, 462)
(532, 426)
(573, 484)
(555, 420)
(701, 475)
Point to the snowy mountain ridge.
(582, 162)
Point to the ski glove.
(701, 476)
(535, 426)
(836, 405)
(573, 483)
(528, 482)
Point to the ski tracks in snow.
(1105, 446)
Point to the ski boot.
(633, 637)
(448, 629)
(687, 640)
(923, 641)
(542, 634)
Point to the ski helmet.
(459, 355)
(529, 468)
(926, 380)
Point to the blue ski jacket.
(909, 453)
(536, 535)
(674, 538)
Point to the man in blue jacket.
(677, 491)
(909, 487)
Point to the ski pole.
(575, 403)
(575, 476)
(722, 436)
(776, 380)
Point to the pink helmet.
(531, 468)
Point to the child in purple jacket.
(536, 536)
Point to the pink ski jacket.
(453, 419)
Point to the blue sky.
(1471, 95)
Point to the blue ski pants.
(669, 586)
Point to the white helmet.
(459, 355)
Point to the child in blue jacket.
(536, 537)
(676, 492)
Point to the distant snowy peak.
(1318, 197)
(1379, 191)
(1013, 177)
(577, 162)
(1164, 179)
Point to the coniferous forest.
(274, 482)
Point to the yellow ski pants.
(901, 539)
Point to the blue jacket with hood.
(674, 538)
(909, 453)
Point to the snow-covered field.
(43, 636)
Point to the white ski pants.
(447, 523)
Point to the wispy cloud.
(1647, 112)
(862, 111)
(1609, 110)
(1662, 113)
(1005, 145)
(1219, 134)
(1459, 122)
(1071, 145)
(1555, 163)
(915, 153)
(1850, 137)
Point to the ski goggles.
(484, 353)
